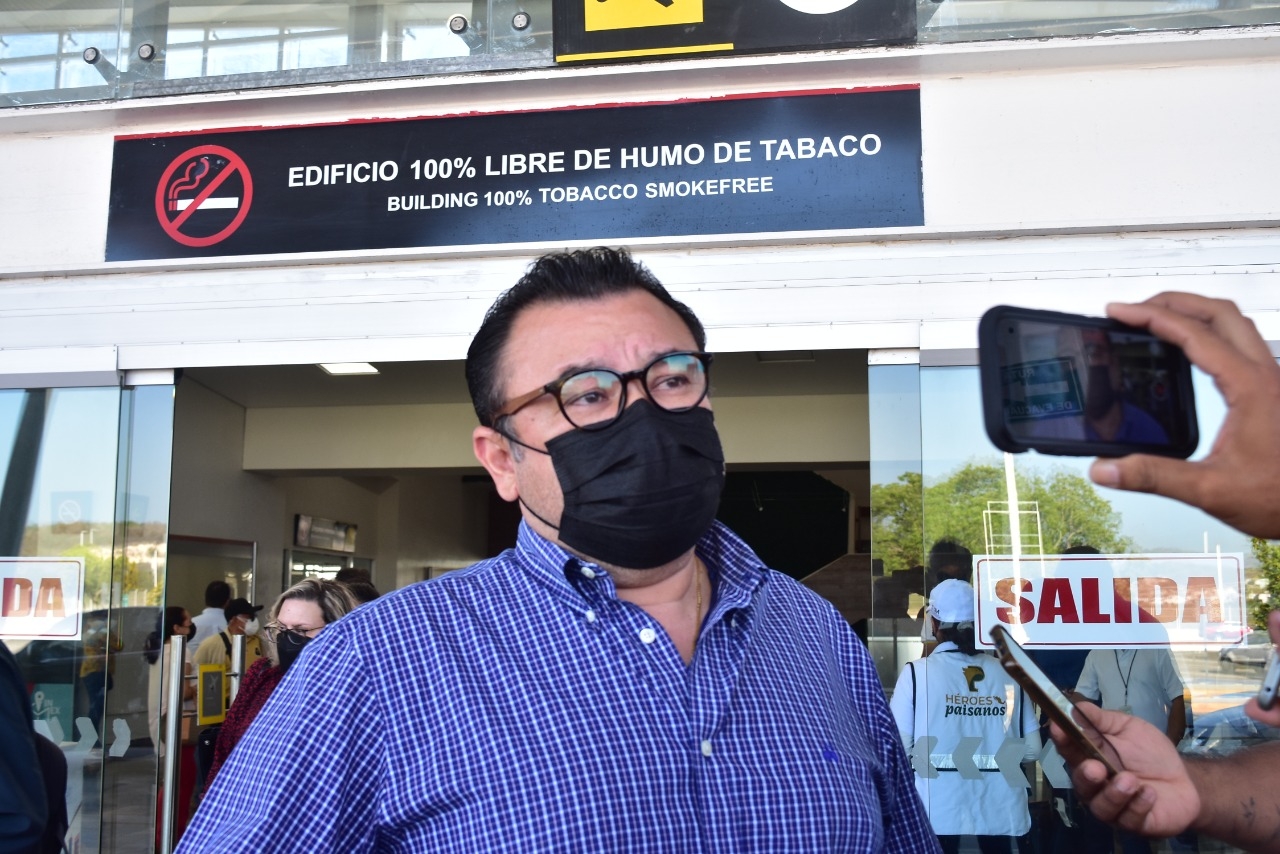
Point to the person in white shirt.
(211, 620)
(242, 619)
(975, 713)
(1139, 682)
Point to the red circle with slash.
(205, 169)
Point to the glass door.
(83, 524)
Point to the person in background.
(242, 619)
(211, 620)
(295, 619)
(1140, 682)
(174, 621)
(359, 582)
(959, 693)
(1235, 799)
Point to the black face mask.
(1101, 396)
(639, 493)
(288, 645)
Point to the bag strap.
(226, 641)
(1022, 706)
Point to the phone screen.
(1047, 695)
(1067, 384)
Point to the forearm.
(1177, 721)
(1240, 797)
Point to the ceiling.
(732, 375)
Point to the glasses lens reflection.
(595, 398)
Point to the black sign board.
(745, 165)
(595, 30)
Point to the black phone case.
(992, 401)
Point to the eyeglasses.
(274, 630)
(592, 400)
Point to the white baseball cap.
(951, 602)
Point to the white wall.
(443, 524)
(800, 429)
(211, 493)
(406, 521)
(1064, 173)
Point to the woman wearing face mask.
(175, 621)
(296, 618)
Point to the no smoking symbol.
(204, 195)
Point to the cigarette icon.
(211, 203)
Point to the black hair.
(217, 594)
(961, 636)
(362, 591)
(1081, 549)
(170, 617)
(348, 574)
(580, 275)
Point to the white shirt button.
(591, 616)
(648, 635)
(706, 747)
(588, 572)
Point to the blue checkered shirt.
(519, 705)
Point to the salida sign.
(41, 597)
(1071, 601)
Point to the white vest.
(950, 696)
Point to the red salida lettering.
(17, 598)
(1005, 593)
(1057, 601)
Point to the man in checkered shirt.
(628, 678)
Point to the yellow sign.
(211, 694)
(629, 14)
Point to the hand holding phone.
(1047, 696)
(1083, 386)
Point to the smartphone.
(1047, 696)
(1270, 681)
(1072, 385)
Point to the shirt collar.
(736, 570)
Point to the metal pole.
(172, 748)
(238, 643)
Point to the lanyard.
(1123, 677)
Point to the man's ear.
(494, 453)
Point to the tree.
(907, 516)
(1268, 555)
(98, 578)
(896, 521)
